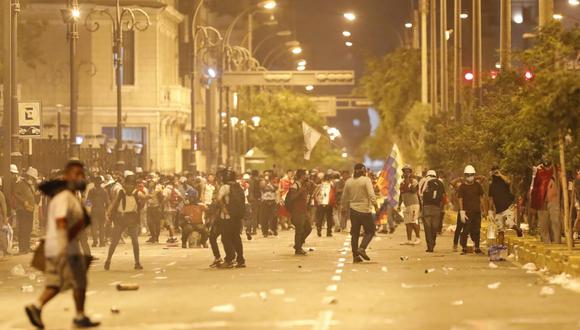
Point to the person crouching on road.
(127, 206)
(432, 195)
(65, 267)
(359, 196)
(192, 221)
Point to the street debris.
(127, 287)
(27, 288)
(137, 275)
(160, 277)
(566, 281)
(248, 295)
(229, 308)
(171, 264)
(530, 266)
(90, 293)
(329, 300)
(457, 303)
(277, 292)
(332, 288)
(18, 270)
(547, 291)
(415, 286)
(492, 265)
(447, 269)
(494, 285)
(404, 258)
(311, 249)
(384, 269)
(263, 295)
(429, 270)
(115, 310)
(335, 278)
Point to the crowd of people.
(106, 208)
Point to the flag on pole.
(388, 182)
(311, 137)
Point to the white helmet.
(13, 169)
(469, 170)
(32, 172)
(128, 173)
(246, 177)
(432, 173)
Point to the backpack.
(433, 194)
(237, 202)
(131, 205)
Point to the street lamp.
(309, 88)
(346, 34)
(301, 68)
(124, 19)
(574, 2)
(302, 63)
(408, 25)
(349, 16)
(464, 16)
(296, 50)
(71, 17)
(558, 17)
(348, 43)
(256, 121)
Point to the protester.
(325, 198)
(502, 206)
(471, 206)
(359, 196)
(409, 189)
(296, 202)
(254, 198)
(268, 208)
(432, 196)
(192, 221)
(65, 266)
(154, 204)
(545, 200)
(99, 201)
(231, 199)
(23, 202)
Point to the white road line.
(341, 259)
(324, 320)
(336, 278)
(340, 265)
(332, 288)
(338, 271)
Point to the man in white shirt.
(66, 266)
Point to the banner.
(311, 138)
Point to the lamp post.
(283, 33)
(71, 17)
(124, 19)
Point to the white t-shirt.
(63, 205)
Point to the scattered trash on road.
(289, 300)
(492, 265)
(332, 288)
(160, 277)
(457, 303)
(127, 287)
(18, 270)
(229, 308)
(171, 264)
(415, 286)
(263, 295)
(530, 266)
(547, 291)
(329, 300)
(277, 292)
(494, 285)
(137, 275)
(115, 310)
(430, 270)
(566, 281)
(248, 295)
(384, 269)
(404, 258)
(27, 288)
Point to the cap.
(432, 173)
(246, 176)
(13, 169)
(469, 170)
(139, 170)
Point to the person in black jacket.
(432, 193)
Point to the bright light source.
(333, 133)
(574, 2)
(302, 63)
(348, 44)
(408, 25)
(309, 88)
(498, 65)
(284, 33)
(344, 155)
(296, 50)
(349, 16)
(79, 140)
(493, 75)
(301, 68)
(557, 17)
(528, 75)
(234, 121)
(346, 34)
(468, 76)
(464, 16)
(268, 5)
(76, 13)
(235, 100)
(448, 34)
(256, 121)
(212, 72)
(518, 18)
(223, 114)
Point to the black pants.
(324, 212)
(214, 232)
(232, 241)
(188, 228)
(458, 229)
(154, 216)
(302, 228)
(431, 223)
(130, 223)
(254, 216)
(358, 220)
(97, 227)
(268, 220)
(472, 227)
(25, 221)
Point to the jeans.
(214, 232)
(154, 216)
(129, 222)
(97, 227)
(302, 228)
(25, 221)
(358, 220)
(550, 225)
(232, 241)
(324, 212)
(268, 219)
(472, 227)
(431, 223)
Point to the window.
(128, 57)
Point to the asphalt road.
(323, 290)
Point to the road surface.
(323, 290)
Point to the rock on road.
(323, 290)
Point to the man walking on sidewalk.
(66, 266)
(359, 196)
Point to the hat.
(128, 173)
(246, 176)
(469, 170)
(13, 169)
(432, 173)
(32, 172)
(139, 170)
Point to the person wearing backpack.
(232, 201)
(432, 194)
(127, 206)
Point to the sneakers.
(226, 265)
(240, 264)
(319, 233)
(172, 240)
(216, 263)
(300, 252)
(416, 241)
(463, 252)
(85, 322)
(362, 253)
(33, 314)
(107, 265)
(138, 266)
(249, 236)
(357, 260)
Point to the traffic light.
(493, 74)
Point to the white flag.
(311, 137)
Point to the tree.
(280, 131)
